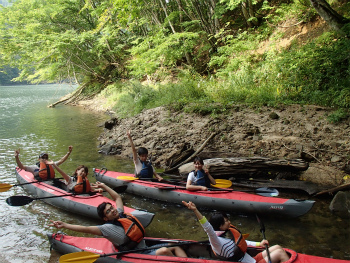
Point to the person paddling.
(143, 168)
(199, 179)
(235, 248)
(116, 227)
(41, 170)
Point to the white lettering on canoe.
(277, 207)
(93, 250)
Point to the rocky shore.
(287, 132)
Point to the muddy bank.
(287, 132)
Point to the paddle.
(87, 257)
(263, 191)
(21, 200)
(5, 187)
(262, 230)
(222, 183)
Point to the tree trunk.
(329, 14)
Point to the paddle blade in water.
(19, 200)
(79, 257)
(222, 183)
(5, 187)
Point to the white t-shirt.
(138, 166)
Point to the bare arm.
(115, 196)
(83, 229)
(134, 153)
(65, 176)
(212, 180)
(193, 207)
(191, 187)
(64, 158)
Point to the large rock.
(340, 204)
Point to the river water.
(27, 123)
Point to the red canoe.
(197, 252)
(230, 200)
(84, 205)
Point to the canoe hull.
(84, 205)
(233, 201)
(197, 253)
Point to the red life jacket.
(82, 185)
(46, 171)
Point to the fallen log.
(228, 167)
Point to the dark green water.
(27, 123)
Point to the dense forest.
(198, 55)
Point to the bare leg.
(277, 254)
(172, 251)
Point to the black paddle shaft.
(262, 230)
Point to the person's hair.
(79, 167)
(142, 150)
(101, 209)
(198, 159)
(217, 219)
(42, 155)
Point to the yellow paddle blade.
(5, 187)
(245, 236)
(222, 183)
(79, 257)
(128, 178)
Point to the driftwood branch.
(193, 155)
(335, 189)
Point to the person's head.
(198, 163)
(143, 154)
(43, 156)
(219, 221)
(81, 171)
(107, 212)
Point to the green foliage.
(339, 115)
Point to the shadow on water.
(27, 123)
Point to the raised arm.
(134, 152)
(19, 164)
(114, 195)
(64, 158)
(193, 207)
(212, 180)
(64, 175)
(94, 230)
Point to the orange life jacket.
(241, 245)
(82, 185)
(238, 238)
(133, 228)
(46, 171)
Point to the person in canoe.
(79, 182)
(234, 248)
(199, 179)
(41, 170)
(143, 168)
(123, 230)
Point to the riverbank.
(287, 132)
